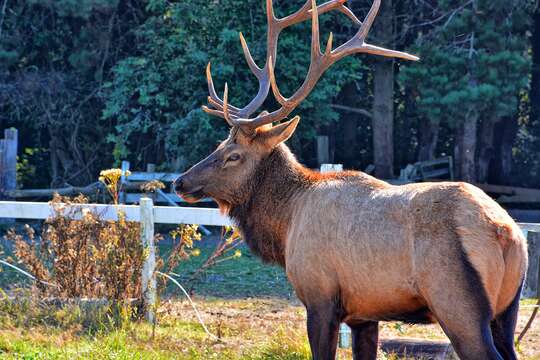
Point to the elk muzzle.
(187, 190)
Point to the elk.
(357, 249)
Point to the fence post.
(532, 282)
(8, 161)
(149, 266)
(323, 149)
(123, 181)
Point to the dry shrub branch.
(86, 258)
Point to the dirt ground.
(264, 318)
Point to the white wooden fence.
(147, 214)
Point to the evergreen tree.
(474, 66)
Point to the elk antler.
(320, 62)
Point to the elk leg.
(473, 344)
(503, 328)
(365, 338)
(464, 314)
(323, 324)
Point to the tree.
(54, 57)
(474, 67)
(155, 95)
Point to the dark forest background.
(89, 83)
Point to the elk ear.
(274, 136)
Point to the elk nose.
(179, 184)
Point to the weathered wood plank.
(135, 198)
(67, 191)
(162, 214)
(149, 288)
(526, 227)
(509, 190)
(323, 149)
(10, 159)
(147, 176)
(533, 272)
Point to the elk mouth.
(193, 196)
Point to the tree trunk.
(429, 135)
(504, 138)
(383, 93)
(485, 149)
(466, 149)
(349, 96)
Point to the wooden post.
(8, 161)
(323, 150)
(531, 289)
(149, 266)
(2, 168)
(123, 180)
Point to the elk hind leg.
(503, 328)
(462, 308)
(365, 338)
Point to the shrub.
(86, 258)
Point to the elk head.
(224, 174)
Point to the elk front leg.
(365, 339)
(323, 324)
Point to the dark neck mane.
(271, 195)
(264, 218)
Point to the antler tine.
(315, 37)
(275, 90)
(370, 18)
(214, 98)
(345, 10)
(358, 45)
(249, 59)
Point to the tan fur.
(383, 250)
(354, 236)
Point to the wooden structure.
(511, 194)
(8, 162)
(438, 169)
(130, 186)
(323, 150)
(532, 283)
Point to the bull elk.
(357, 249)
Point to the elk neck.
(264, 218)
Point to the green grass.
(173, 339)
(241, 277)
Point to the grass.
(265, 329)
(242, 277)
(248, 304)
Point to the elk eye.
(233, 157)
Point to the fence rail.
(162, 214)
